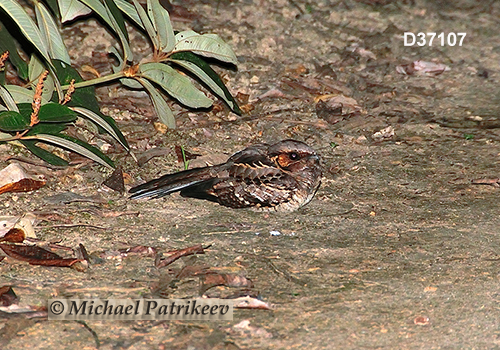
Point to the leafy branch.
(50, 66)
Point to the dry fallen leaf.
(14, 178)
(384, 134)
(36, 256)
(14, 235)
(176, 254)
(420, 67)
(245, 329)
(24, 223)
(187, 155)
(421, 320)
(7, 296)
(248, 302)
(115, 181)
(139, 250)
(211, 280)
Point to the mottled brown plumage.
(282, 177)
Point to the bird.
(280, 177)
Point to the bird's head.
(294, 156)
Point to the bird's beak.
(315, 158)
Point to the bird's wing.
(170, 183)
(252, 163)
(251, 155)
(266, 190)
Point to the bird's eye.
(294, 156)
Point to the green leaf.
(98, 8)
(21, 94)
(4, 136)
(162, 109)
(130, 11)
(117, 16)
(36, 68)
(25, 109)
(47, 128)
(84, 102)
(53, 7)
(111, 15)
(129, 82)
(52, 114)
(8, 99)
(147, 24)
(29, 29)
(162, 25)
(50, 31)
(13, 121)
(7, 43)
(177, 85)
(81, 96)
(118, 23)
(71, 9)
(105, 122)
(43, 154)
(56, 113)
(207, 75)
(208, 45)
(75, 145)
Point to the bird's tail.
(171, 183)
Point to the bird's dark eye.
(294, 156)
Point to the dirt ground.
(398, 250)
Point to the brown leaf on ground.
(139, 250)
(24, 185)
(7, 296)
(188, 155)
(190, 271)
(14, 235)
(420, 67)
(495, 182)
(242, 98)
(115, 181)
(24, 222)
(245, 329)
(248, 302)
(36, 256)
(152, 153)
(176, 254)
(211, 280)
(421, 320)
(81, 253)
(331, 113)
(14, 178)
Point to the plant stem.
(100, 80)
(186, 162)
(15, 137)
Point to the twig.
(77, 225)
(94, 334)
(176, 254)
